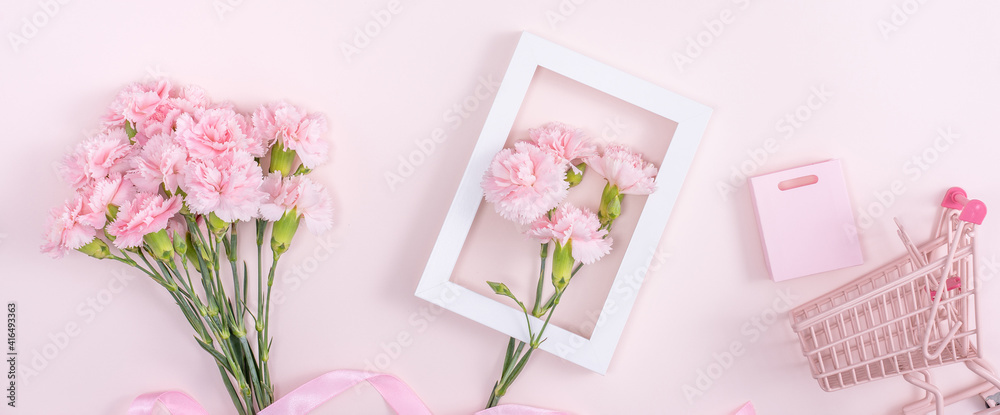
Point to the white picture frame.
(532, 52)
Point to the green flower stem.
(232, 391)
(265, 351)
(230, 245)
(536, 310)
(548, 304)
(512, 370)
(509, 356)
(218, 320)
(260, 322)
(182, 296)
(262, 402)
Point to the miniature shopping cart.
(916, 313)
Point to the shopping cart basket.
(916, 313)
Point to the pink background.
(889, 92)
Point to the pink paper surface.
(346, 298)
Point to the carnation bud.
(180, 243)
(611, 205)
(194, 249)
(574, 178)
(160, 245)
(96, 248)
(283, 231)
(281, 160)
(217, 225)
(562, 265)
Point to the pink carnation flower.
(96, 158)
(161, 161)
(192, 100)
(308, 198)
(581, 226)
(565, 143)
(216, 131)
(137, 102)
(146, 214)
(625, 169)
(67, 229)
(525, 182)
(112, 190)
(296, 130)
(228, 185)
(161, 121)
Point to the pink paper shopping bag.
(805, 220)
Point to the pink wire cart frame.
(914, 314)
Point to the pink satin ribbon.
(747, 409)
(315, 392)
(177, 402)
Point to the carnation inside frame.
(497, 250)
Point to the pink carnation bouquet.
(528, 184)
(166, 186)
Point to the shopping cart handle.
(955, 198)
(973, 211)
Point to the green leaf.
(130, 130)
